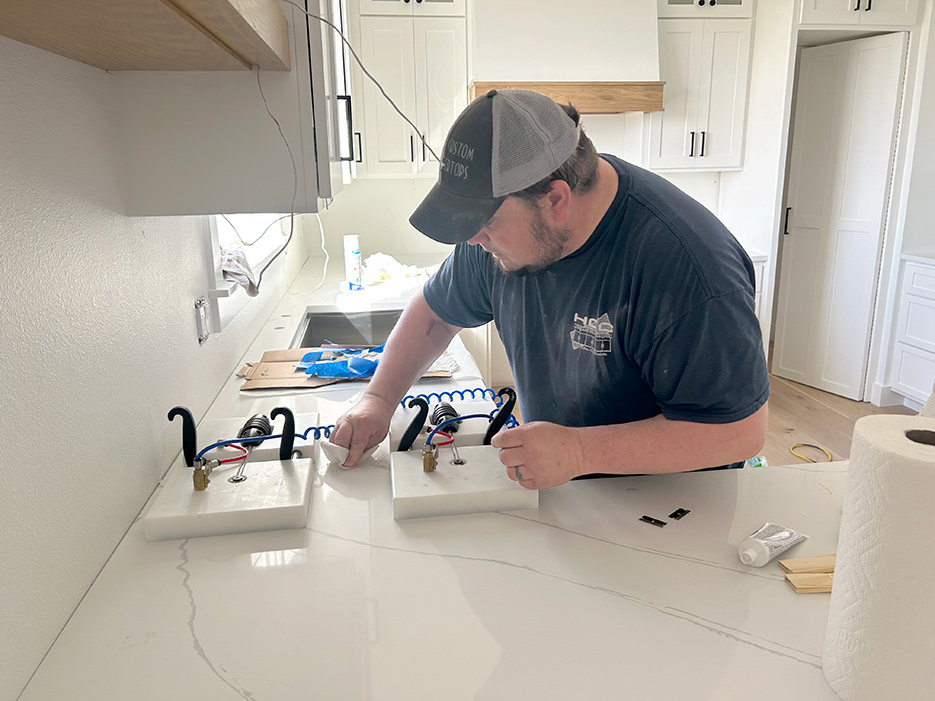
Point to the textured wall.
(97, 342)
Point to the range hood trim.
(588, 97)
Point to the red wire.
(446, 435)
(240, 457)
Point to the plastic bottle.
(352, 268)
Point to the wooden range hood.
(588, 97)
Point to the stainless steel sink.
(324, 325)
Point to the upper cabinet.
(421, 63)
(883, 13)
(154, 35)
(704, 64)
(444, 8)
(715, 9)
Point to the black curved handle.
(415, 425)
(189, 447)
(288, 431)
(501, 416)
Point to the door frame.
(882, 327)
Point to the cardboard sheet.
(276, 370)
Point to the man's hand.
(362, 427)
(540, 455)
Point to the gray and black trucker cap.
(502, 143)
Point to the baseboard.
(884, 395)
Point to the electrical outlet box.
(479, 485)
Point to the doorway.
(846, 108)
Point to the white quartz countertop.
(577, 599)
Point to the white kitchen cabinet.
(409, 8)
(715, 9)
(705, 65)
(883, 13)
(421, 62)
(913, 369)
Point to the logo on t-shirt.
(592, 334)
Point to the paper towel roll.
(880, 642)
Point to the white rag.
(234, 266)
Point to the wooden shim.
(818, 583)
(809, 565)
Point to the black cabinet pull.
(702, 145)
(406, 1)
(412, 149)
(360, 148)
(857, 6)
(423, 150)
(691, 150)
(785, 226)
(869, 5)
(713, 3)
(350, 127)
(701, 3)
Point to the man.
(625, 307)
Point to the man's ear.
(557, 201)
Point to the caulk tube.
(767, 542)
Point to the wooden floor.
(801, 414)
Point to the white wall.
(750, 199)
(564, 40)
(919, 229)
(98, 342)
(378, 211)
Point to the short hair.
(579, 171)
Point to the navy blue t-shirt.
(653, 314)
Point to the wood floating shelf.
(162, 35)
(589, 97)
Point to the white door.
(441, 78)
(389, 142)
(844, 128)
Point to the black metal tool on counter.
(503, 415)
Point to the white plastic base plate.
(480, 485)
(274, 496)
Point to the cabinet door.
(673, 132)
(891, 13)
(722, 98)
(441, 82)
(452, 8)
(831, 11)
(449, 8)
(704, 8)
(887, 13)
(388, 141)
(386, 7)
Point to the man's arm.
(548, 454)
(419, 337)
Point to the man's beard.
(551, 241)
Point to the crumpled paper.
(380, 267)
(234, 266)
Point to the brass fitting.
(429, 457)
(200, 474)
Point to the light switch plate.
(480, 485)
